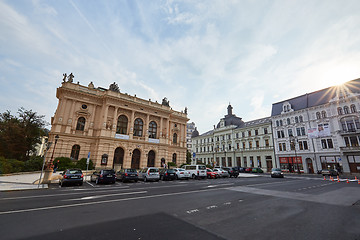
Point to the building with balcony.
(234, 142)
(319, 130)
(117, 129)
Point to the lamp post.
(52, 155)
(293, 140)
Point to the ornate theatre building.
(118, 130)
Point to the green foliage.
(34, 164)
(20, 134)
(82, 164)
(64, 163)
(209, 166)
(171, 164)
(10, 165)
(188, 157)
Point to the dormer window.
(286, 107)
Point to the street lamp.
(293, 140)
(52, 155)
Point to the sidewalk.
(24, 181)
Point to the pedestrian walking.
(56, 166)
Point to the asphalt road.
(242, 208)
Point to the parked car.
(248, 170)
(149, 174)
(167, 174)
(211, 174)
(257, 170)
(182, 173)
(127, 174)
(329, 172)
(196, 171)
(223, 173)
(103, 176)
(71, 176)
(233, 171)
(241, 170)
(276, 172)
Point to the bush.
(11, 165)
(209, 166)
(82, 164)
(171, 164)
(34, 164)
(64, 163)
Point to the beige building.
(117, 129)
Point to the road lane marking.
(220, 185)
(106, 201)
(211, 207)
(192, 211)
(101, 196)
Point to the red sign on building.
(290, 160)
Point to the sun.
(341, 74)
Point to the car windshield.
(171, 170)
(209, 170)
(202, 167)
(132, 170)
(153, 170)
(75, 171)
(109, 172)
(181, 169)
(276, 169)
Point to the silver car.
(149, 174)
(222, 173)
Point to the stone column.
(131, 133)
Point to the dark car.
(257, 170)
(72, 176)
(233, 172)
(276, 172)
(167, 174)
(241, 169)
(103, 176)
(329, 172)
(127, 174)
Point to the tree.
(20, 134)
(188, 157)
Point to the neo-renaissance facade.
(319, 130)
(117, 129)
(233, 142)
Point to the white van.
(196, 171)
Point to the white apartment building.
(233, 142)
(319, 130)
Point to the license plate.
(109, 175)
(74, 177)
(171, 174)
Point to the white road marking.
(105, 201)
(192, 211)
(219, 185)
(100, 196)
(227, 203)
(211, 207)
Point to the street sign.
(88, 159)
(194, 154)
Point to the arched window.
(75, 150)
(80, 124)
(122, 123)
(296, 119)
(346, 110)
(138, 127)
(281, 123)
(152, 129)
(174, 158)
(175, 138)
(318, 115)
(288, 121)
(301, 119)
(323, 114)
(353, 108)
(340, 111)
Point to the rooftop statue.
(114, 87)
(65, 76)
(70, 78)
(165, 102)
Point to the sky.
(200, 54)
